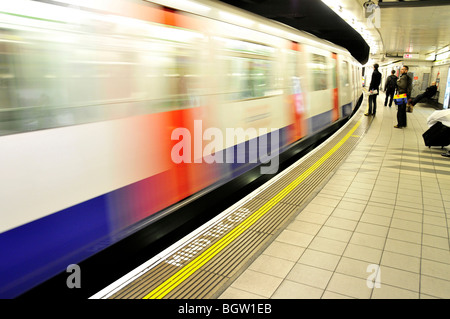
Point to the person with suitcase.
(442, 116)
(438, 133)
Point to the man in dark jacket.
(429, 93)
(374, 90)
(389, 87)
(404, 84)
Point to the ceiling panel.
(412, 27)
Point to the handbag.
(400, 99)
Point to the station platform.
(365, 215)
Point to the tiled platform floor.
(385, 212)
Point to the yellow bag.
(400, 99)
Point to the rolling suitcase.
(437, 135)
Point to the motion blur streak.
(90, 92)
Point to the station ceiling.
(418, 27)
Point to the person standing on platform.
(404, 85)
(390, 87)
(374, 90)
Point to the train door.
(345, 93)
(334, 86)
(296, 94)
(320, 105)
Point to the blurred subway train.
(92, 94)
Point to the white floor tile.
(382, 208)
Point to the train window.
(344, 74)
(54, 76)
(7, 75)
(174, 74)
(294, 77)
(248, 70)
(176, 68)
(32, 80)
(247, 78)
(319, 68)
(259, 78)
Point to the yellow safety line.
(181, 275)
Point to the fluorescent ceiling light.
(443, 56)
(445, 49)
(431, 57)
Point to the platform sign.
(410, 56)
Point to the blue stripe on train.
(347, 109)
(320, 121)
(264, 147)
(34, 252)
